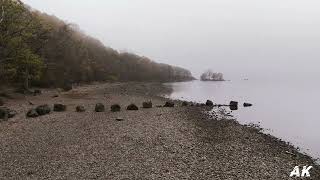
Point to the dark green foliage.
(46, 51)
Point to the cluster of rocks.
(234, 105)
(6, 113)
(39, 111)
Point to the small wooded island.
(209, 75)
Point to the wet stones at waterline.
(209, 103)
(147, 104)
(99, 107)
(59, 107)
(115, 108)
(233, 103)
(169, 104)
(80, 109)
(132, 107)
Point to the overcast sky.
(240, 38)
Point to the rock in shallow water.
(247, 104)
(233, 103)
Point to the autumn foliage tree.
(21, 39)
(43, 50)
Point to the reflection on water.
(288, 109)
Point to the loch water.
(286, 109)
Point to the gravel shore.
(156, 143)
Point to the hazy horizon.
(242, 39)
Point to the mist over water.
(288, 110)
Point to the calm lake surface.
(286, 109)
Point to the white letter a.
(305, 171)
(295, 172)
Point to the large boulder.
(169, 104)
(43, 109)
(32, 113)
(99, 107)
(59, 107)
(80, 109)
(233, 103)
(147, 104)
(132, 107)
(209, 103)
(115, 108)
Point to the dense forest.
(42, 50)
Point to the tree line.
(42, 50)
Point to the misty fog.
(243, 39)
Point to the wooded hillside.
(43, 50)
